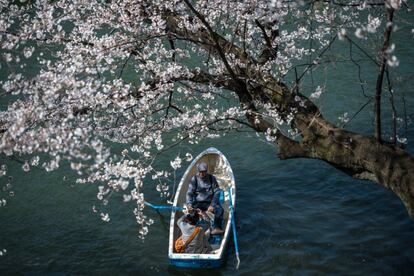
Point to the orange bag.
(180, 246)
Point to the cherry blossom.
(112, 85)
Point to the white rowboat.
(220, 168)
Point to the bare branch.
(380, 78)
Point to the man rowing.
(204, 194)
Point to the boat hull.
(221, 169)
(197, 263)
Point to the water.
(294, 216)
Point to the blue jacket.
(203, 190)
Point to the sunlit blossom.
(317, 93)
(393, 61)
(105, 217)
(344, 118)
(176, 163)
(109, 93)
(26, 166)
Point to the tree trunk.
(360, 157)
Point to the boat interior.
(220, 169)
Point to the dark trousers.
(218, 212)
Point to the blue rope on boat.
(164, 207)
(233, 224)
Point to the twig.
(380, 78)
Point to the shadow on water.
(172, 270)
(164, 219)
(403, 266)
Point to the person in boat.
(188, 224)
(204, 193)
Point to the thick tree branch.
(288, 148)
(269, 52)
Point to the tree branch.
(380, 78)
(269, 52)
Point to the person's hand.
(210, 209)
(199, 211)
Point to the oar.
(233, 224)
(164, 207)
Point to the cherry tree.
(82, 76)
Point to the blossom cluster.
(84, 78)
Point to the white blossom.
(3, 170)
(344, 118)
(105, 217)
(395, 4)
(26, 166)
(176, 163)
(342, 34)
(105, 96)
(127, 198)
(34, 161)
(28, 51)
(373, 24)
(393, 61)
(390, 49)
(317, 93)
(188, 157)
(359, 33)
(3, 202)
(401, 140)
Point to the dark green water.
(294, 217)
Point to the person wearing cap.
(204, 193)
